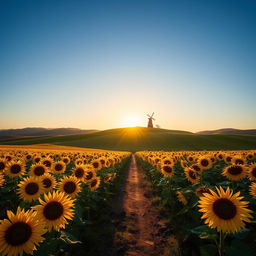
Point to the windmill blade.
(153, 118)
(149, 116)
(152, 114)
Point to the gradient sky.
(98, 64)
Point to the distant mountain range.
(32, 131)
(229, 131)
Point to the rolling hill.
(38, 131)
(230, 131)
(139, 138)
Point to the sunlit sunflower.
(202, 190)
(79, 171)
(192, 175)
(69, 185)
(234, 172)
(181, 198)
(224, 210)
(37, 159)
(196, 167)
(94, 184)
(58, 167)
(228, 159)
(2, 180)
(96, 164)
(38, 169)
(238, 160)
(55, 210)
(253, 190)
(183, 164)
(167, 170)
(49, 182)
(15, 168)
(89, 175)
(66, 160)
(3, 164)
(22, 232)
(30, 188)
(47, 162)
(168, 161)
(102, 161)
(204, 163)
(252, 172)
(109, 177)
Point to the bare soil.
(141, 230)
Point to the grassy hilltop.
(139, 138)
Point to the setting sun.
(131, 121)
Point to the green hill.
(139, 138)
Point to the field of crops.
(208, 198)
(53, 202)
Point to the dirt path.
(141, 230)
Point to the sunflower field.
(53, 201)
(208, 198)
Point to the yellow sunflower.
(238, 160)
(21, 233)
(30, 188)
(38, 169)
(252, 172)
(253, 190)
(96, 164)
(181, 198)
(15, 168)
(94, 184)
(70, 185)
(89, 175)
(234, 172)
(192, 175)
(49, 182)
(55, 211)
(3, 164)
(109, 177)
(79, 171)
(47, 162)
(224, 210)
(167, 170)
(196, 167)
(204, 163)
(58, 167)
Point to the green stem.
(221, 244)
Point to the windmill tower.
(150, 120)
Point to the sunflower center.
(18, 233)
(254, 172)
(235, 170)
(39, 170)
(95, 164)
(31, 188)
(79, 172)
(167, 168)
(47, 163)
(167, 162)
(2, 165)
(196, 167)
(224, 209)
(47, 183)
(53, 210)
(94, 183)
(204, 162)
(239, 161)
(58, 167)
(89, 175)
(228, 159)
(69, 187)
(16, 168)
(65, 160)
(192, 175)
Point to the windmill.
(150, 120)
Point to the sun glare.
(131, 121)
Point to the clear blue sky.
(104, 64)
